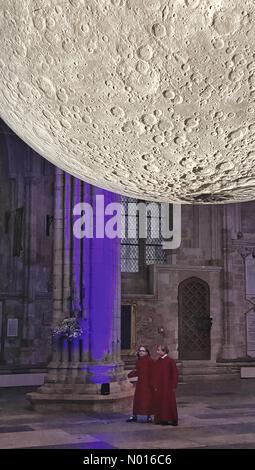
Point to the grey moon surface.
(152, 99)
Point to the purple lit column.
(76, 292)
(104, 293)
(67, 264)
(87, 271)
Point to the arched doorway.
(194, 320)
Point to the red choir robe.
(165, 381)
(143, 397)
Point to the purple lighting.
(86, 280)
(98, 276)
(104, 282)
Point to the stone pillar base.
(82, 398)
(91, 404)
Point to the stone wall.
(212, 250)
(26, 208)
(216, 241)
(160, 311)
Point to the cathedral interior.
(127, 225)
(197, 298)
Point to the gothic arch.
(194, 319)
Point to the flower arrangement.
(69, 328)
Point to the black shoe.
(132, 419)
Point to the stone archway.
(194, 320)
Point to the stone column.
(52, 376)
(228, 347)
(28, 334)
(216, 234)
(104, 274)
(87, 272)
(76, 285)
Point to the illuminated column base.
(104, 389)
(76, 400)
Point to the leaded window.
(135, 250)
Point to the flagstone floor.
(212, 415)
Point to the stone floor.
(212, 415)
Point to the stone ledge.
(23, 368)
(247, 372)
(116, 402)
(187, 267)
(21, 380)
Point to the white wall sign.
(250, 278)
(12, 327)
(250, 325)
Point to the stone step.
(21, 380)
(206, 378)
(195, 371)
(247, 372)
(129, 362)
(202, 371)
(130, 367)
(197, 363)
(208, 370)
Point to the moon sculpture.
(153, 99)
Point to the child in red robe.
(165, 382)
(143, 397)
